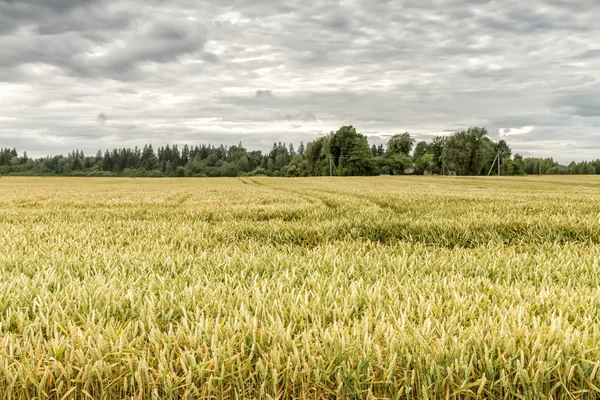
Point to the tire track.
(326, 202)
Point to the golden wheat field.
(309, 288)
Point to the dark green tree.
(420, 150)
(400, 144)
(468, 152)
(301, 149)
(350, 152)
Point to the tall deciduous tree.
(400, 144)
(467, 152)
(350, 152)
(420, 150)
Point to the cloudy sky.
(93, 74)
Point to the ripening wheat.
(384, 287)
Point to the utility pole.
(492, 167)
(330, 166)
(498, 162)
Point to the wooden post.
(498, 162)
(492, 167)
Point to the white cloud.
(504, 132)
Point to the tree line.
(344, 152)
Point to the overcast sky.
(96, 74)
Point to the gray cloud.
(259, 71)
(593, 54)
(300, 117)
(264, 93)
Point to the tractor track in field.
(326, 202)
(337, 204)
(368, 199)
